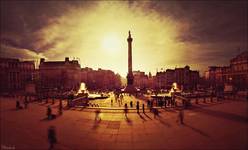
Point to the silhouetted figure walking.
(151, 106)
(143, 108)
(165, 103)
(49, 113)
(131, 104)
(125, 110)
(137, 106)
(18, 106)
(52, 137)
(155, 112)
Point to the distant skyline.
(165, 34)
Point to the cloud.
(166, 33)
(13, 52)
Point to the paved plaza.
(216, 125)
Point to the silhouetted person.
(137, 106)
(151, 106)
(165, 103)
(181, 116)
(60, 107)
(52, 137)
(18, 106)
(143, 108)
(111, 102)
(125, 110)
(155, 112)
(131, 104)
(49, 113)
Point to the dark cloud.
(218, 27)
(20, 20)
(210, 21)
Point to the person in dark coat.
(137, 106)
(18, 106)
(125, 110)
(143, 108)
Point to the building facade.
(185, 78)
(100, 79)
(236, 74)
(59, 75)
(15, 74)
(140, 80)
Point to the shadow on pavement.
(147, 116)
(225, 115)
(141, 117)
(196, 130)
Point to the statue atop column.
(130, 88)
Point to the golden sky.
(96, 33)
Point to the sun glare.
(111, 43)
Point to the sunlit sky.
(166, 34)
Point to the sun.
(111, 43)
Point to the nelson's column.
(130, 88)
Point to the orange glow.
(98, 37)
(111, 43)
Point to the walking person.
(131, 104)
(137, 106)
(165, 103)
(52, 137)
(125, 110)
(151, 106)
(143, 108)
(155, 112)
(18, 105)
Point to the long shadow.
(197, 130)
(141, 117)
(219, 114)
(147, 116)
